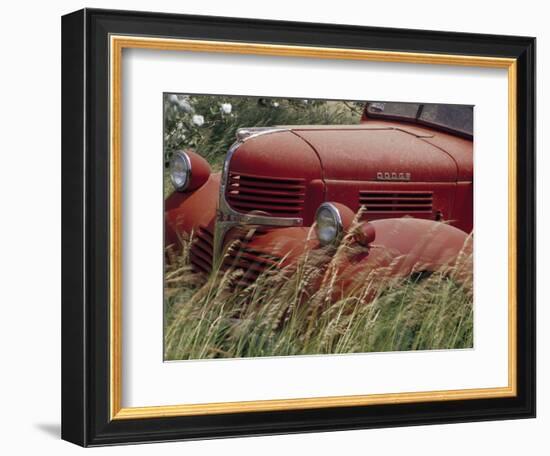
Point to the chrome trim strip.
(226, 216)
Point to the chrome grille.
(277, 197)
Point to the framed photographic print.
(277, 227)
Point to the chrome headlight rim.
(180, 154)
(339, 226)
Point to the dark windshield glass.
(454, 118)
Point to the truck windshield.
(457, 119)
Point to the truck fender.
(405, 246)
(186, 212)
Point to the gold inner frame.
(117, 44)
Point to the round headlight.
(329, 224)
(180, 170)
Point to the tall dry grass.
(302, 311)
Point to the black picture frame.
(85, 224)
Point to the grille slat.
(207, 249)
(250, 261)
(253, 264)
(199, 264)
(384, 199)
(401, 202)
(245, 255)
(202, 250)
(205, 235)
(199, 252)
(286, 199)
(244, 190)
(246, 266)
(264, 179)
(280, 197)
(252, 186)
(401, 206)
(267, 207)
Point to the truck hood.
(369, 153)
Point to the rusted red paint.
(200, 171)
(360, 153)
(289, 173)
(185, 212)
(396, 248)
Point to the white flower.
(181, 102)
(226, 108)
(275, 104)
(305, 101)
(198, 120)
(185, 106)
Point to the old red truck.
(407, 166)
